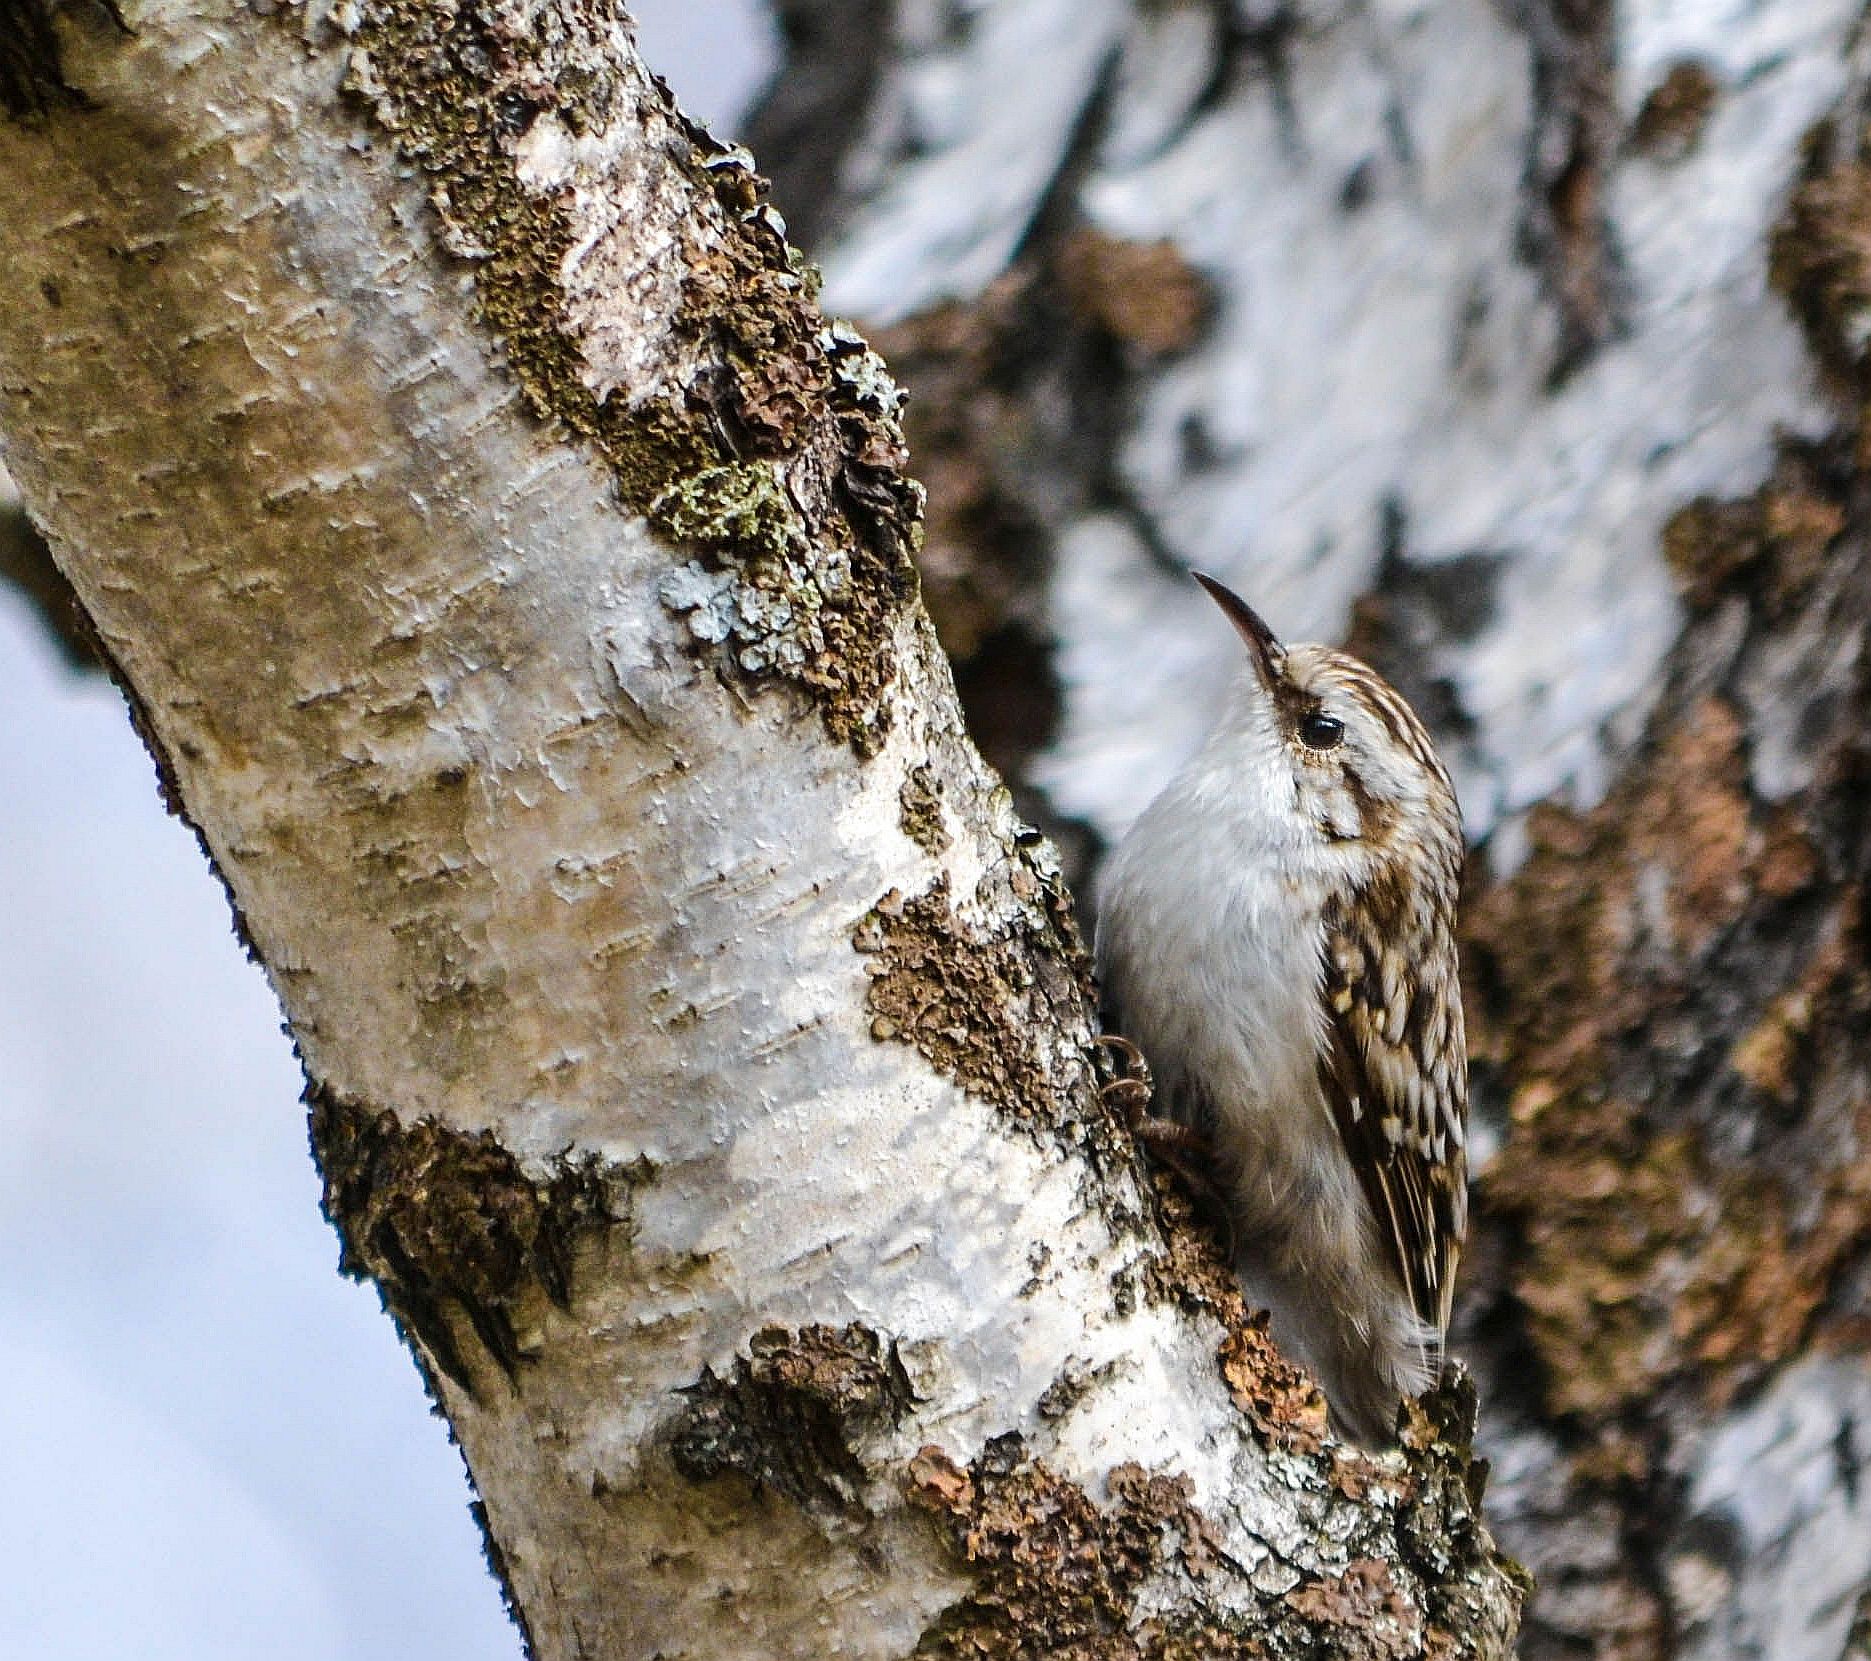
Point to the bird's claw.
(1130, 1092)
(1181, 1147)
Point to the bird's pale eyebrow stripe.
(1381, 702)
(1400, 721)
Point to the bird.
(1276, 934)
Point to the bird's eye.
(1319, 731)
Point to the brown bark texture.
(1668, 987)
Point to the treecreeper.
(1277, 935)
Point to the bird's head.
(1331, 749)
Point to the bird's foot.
(1182, 1148)
(1130, 1094)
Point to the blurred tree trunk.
(509, 567)
(1523, 349)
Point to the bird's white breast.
(1209, 948)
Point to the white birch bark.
(1487, 304)
(508, 570)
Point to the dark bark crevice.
(815, 108)
(32, 68)
(1571, 148)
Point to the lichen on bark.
(768, 446)
(919, 802)
(991, 990)
(1058, 1573)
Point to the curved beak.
(1269, 655)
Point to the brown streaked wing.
(1401, 1102)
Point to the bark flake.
(1674, 112)
(791, 1414)
(462, 1243)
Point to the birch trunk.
(510, 569)
(1524, 349)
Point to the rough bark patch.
(920, 807)
(789, 1417)
(1670, 995)
(1472, 1593)
(1650, 1255)
(1820, 258)
(458, 1238)
(1670, 121)
(1682, 1209)
(1673, 991)
(985, 992)
(1365, 1599)
(1145, 1574)
(1056, 1573)
(1771, 546)
(811, 576)
(1144, 295)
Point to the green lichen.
(764, 593)
(740, 510)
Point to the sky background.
(212, 1446)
